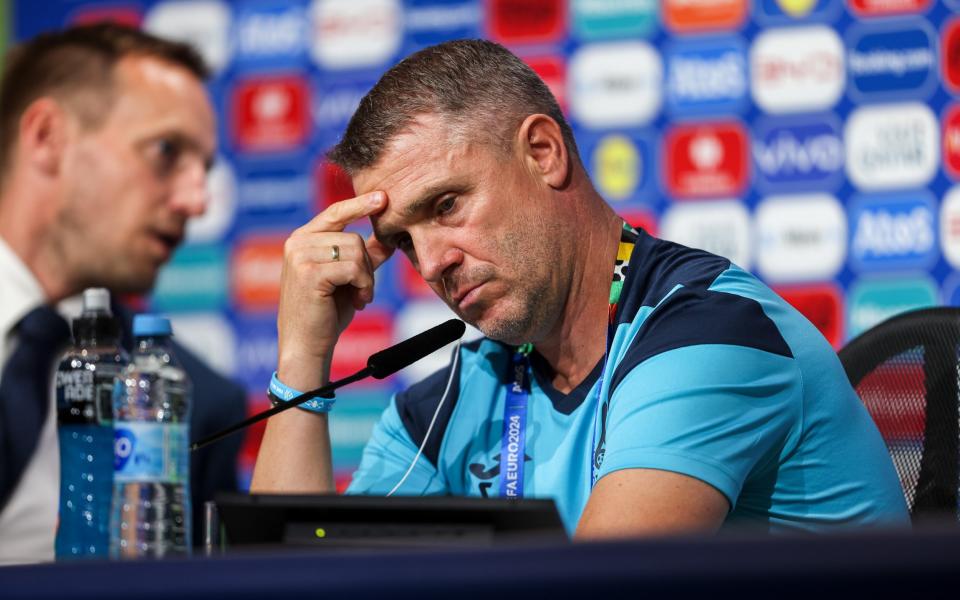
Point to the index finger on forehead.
(340, 214)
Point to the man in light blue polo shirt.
(645, 386)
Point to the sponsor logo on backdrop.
(352, 423)
(270, 32)
(333, 103)
(951, 55)
(950, 227)
(888, 61)
(720, 227)
(789, 11)
(618, 167)
(800, 237)
(706, 160)
(417, 316)
(524, 21)
(270, 113)
(951, 140)
(600, 19)
(951, 290)
(255, 272)
(123, 15)
(706, 76)
(797, 69)
(700, 15)
(892, 146)
(893, 232)
(355, 35)
(615, 84)
(431, 22)
(553, 71)
(274, 192)
(872, 301)
(370, 331)
(209, 336)
(194, 279)
(256, 353)
(790, 154)
(204, 24)
(879, 8)
(333, 185)
(821, 304)
(220, 206)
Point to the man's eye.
(446, 205)
(166, 153)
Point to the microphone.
(379, 365)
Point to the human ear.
(541, 143)
(42, 135)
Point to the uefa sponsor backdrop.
(814, 142)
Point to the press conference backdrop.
(815, 142)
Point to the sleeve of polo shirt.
(386, 458)
(716, 412)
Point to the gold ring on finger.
(335, 252)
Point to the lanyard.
(514, 439)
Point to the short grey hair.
(479, 89)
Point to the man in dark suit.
(106, 135)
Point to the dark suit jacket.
(217, 403)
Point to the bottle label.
(155, 452)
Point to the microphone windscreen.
(389, 361)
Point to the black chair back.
(905, 371)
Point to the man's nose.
(435, 256)
(190, 195)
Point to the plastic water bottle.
(151, 490)
(84, 383)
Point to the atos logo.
(527, 21)
(789, 11)
(872, 301)
(684, 16)
(893, 232)
(797, 69)
(889, 61)
(602, 19)
(806, 153)
(615, 84)
(892, 146)
(270, 32)
(821, 304)
(800, 237)
(255, 272)
(204, 24)
(355, 34)
(951, 140)
(270, 113)
(706, 160)
(430, 22)
(706, 76)
(720, 227)
(951, 55)
(880, 8)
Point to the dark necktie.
(25, 392)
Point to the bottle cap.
(150, 325)
(96, 300)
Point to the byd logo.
(797, 69)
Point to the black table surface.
(906, 564)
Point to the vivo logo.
(800, 153)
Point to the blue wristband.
(285, 393)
